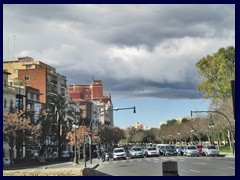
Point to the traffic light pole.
(90, 127)
(230, 125)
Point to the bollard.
(170, 168)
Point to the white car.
(136, 152)
(119, 153)
(6, 162)
(209, 150)
(191, 151)
(151, 151)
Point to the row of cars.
(165, 150)
(206, 150)
(134, 152)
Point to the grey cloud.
(137, 50)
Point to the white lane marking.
(185, 171)
(194, 171)
(200, 163)
(231, 167)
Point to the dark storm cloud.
(137, 50)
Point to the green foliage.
(217, 71)
(225, 149)
(170, 122)
(109, 134)
(53, 119)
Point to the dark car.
(167, 150)
(181, 150)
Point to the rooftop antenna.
(14, 39)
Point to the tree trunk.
(79, 152)
(59, 138)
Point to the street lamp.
(192, 130)
(75, 126)
(90, 127)
(211, 126)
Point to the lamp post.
(90, 127)
(75, 126)
(230, 125)
(192, 130)
(211, 126)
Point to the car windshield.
(118, 150)
(211, 147)
(137, 149)
(152, 149)
(170, 147)
(192, 147)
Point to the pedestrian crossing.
(155, 159)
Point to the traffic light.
(134, 109)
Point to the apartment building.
(93, 94)
(33, 104)
(9, 94)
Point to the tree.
(217, 71)
(110, 134)
(16, 129)
(53, 120)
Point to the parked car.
(161, 148)
(66, 154)
(181, 150)
(168, 149)
(136, 152)
(119, 153)
(151, 151)
(199, 148)
(191, 151)
(210, 150)
(6, 162)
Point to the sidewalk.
(229, 155)
(94, 165)
(70, 169)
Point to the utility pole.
(90, 127)
(14, 38)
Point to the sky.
(145, 55)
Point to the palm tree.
(53, 120)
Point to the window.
(28, 107)
(28, 67)
(27, 78)
(34, 97)
(28, 95)
(15, 71)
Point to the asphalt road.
(187, 166)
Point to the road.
(187, 166)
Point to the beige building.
(38, 75)
(9, 94)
